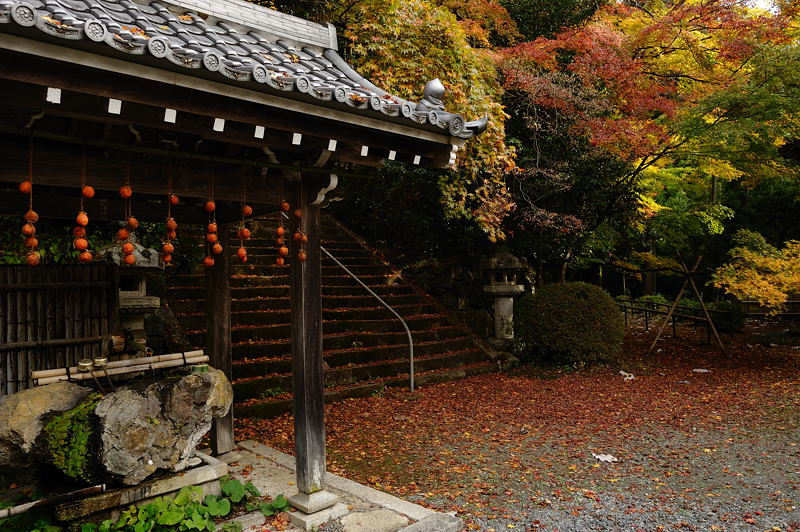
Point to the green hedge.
(569, 323)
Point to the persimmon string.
(128, 212)
(83, 174)
(30, 173)
(169, 190)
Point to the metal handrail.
(382, 302)
(385, 304)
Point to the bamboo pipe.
(121, 371)
(46, 373)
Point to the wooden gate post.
(308, 378)
(218, 339)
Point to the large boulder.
(23, 415)
(157, 425)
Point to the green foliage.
(189, 510)
(730, 317)
(34, 521)
(400, 45)
(543, 18)
(69, 440)
(414, 226)
(654, 298)
(275, 506)
(571, 323)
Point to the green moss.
(69, 440)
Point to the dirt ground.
(569, 450)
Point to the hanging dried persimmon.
(33, 257)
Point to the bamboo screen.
(51, 316)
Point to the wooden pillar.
(218, 335)
(308, 378)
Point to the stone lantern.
(134, 303)
(504, 272)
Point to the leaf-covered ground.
(697, 451)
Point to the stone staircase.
(365, 346)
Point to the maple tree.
(759, 271)
(645, 85)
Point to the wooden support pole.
(675, 303)
(709, 321)
(218, 299)
(306, 301)
(307, 368)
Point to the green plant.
(69, 440)
(654, 298)
(730, 318)
(271, 392)
(571, 323)
(379, 391)
(33, 521)
(189, 510)
(275, 506)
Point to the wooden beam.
(218, 299)
(82, 79)
(59, 165)
(306, 304)
(64, 204)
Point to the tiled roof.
(238, 40)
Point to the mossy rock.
(567, 324)
(71, 442)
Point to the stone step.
(262, 316)
(271, 385)
(250, 292)
(282, 279)
(282, 329)
(355, 355)
(189, 306)
(328, 270)
(281, 347)
(268, 408)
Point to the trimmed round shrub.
(569, 323)
(731, 317)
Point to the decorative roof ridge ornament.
(432, 96)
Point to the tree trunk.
(564, 265)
